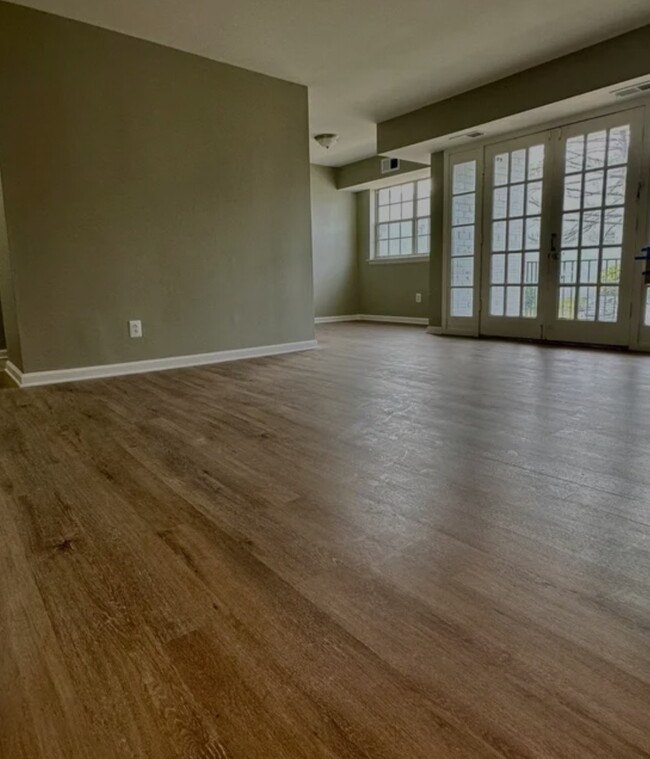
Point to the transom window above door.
(403, 220)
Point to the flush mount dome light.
(326, 140)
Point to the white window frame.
(413, 221)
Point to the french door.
(593, 243)
(559, 225)
(516, 226)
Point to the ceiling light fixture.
(326, 141)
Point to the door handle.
(645, 257)
(554, 253)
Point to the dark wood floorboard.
(393, 547)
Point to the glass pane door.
(544, 246)
(592, 248)
(514, 221)
(462, 240)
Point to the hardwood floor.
(395, 546)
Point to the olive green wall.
(8, 322)
(345, 281)
(3, 341)
(602, 65)
(388, 289)
(334, 235)
(145, 183)
(353, 175)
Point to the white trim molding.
(452, 331)
(55, 377)
(13, 372)
(422, 320)
(398, 260)
(331, 319)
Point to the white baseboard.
(13, 372)
(452, 332)
(331, 319)
(37, 379)
(394, 319)
(373, 318)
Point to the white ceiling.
(366, 60)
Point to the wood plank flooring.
(393, 547)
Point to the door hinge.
(639, 191)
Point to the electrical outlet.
(418, 297)
(135, 328)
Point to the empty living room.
(324, 379)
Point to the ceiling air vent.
(467, 135)
(388, 165)
(636, 89)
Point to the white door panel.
(463, 240)
(594, 229)
(515, 220)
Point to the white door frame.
(640, 332)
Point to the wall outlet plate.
(135, 328)
(418, 297)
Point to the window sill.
(397, 260)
